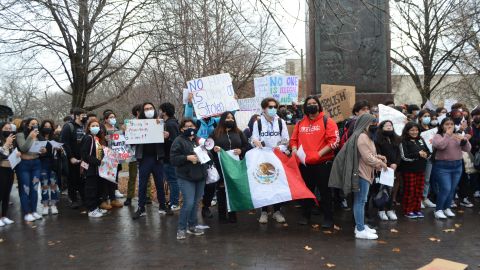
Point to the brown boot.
(116, 204)
(105, 205)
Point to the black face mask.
(476, 120)
(457, 121)
(206, 119)
(46, 130)
(372, 129)
(84, 120)
(189, 132)
(388, 133)
(229, 124)
(5, 134)
(311, 109)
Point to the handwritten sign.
(427, 136)
(213, 95)
(250, 104)
(109, 166)
(337, 101)
(282, 88)
(142, 131)
(398, 119)
(119, 146)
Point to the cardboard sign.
(398, 119)
(441, 264)
(213, 95)
(282, 88)
(427, 136)
(337, 101)
(142, 131)
(250, 104)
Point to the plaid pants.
(413, 183)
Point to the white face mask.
(149, 114)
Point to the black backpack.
(259, 123)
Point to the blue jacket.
(205, 129)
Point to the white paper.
(202, 154)
(230, 152)
(301, 154)
(448, 104)
(14, 159)
(37, 145)
(242, 118)
(55, 144)
(398, 119)
(427, 136)
(429, 105)
(387, 177)
(185, 96)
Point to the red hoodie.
(311, 134)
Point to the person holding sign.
(7, 144)
(270, 131)
(191, 178)
(150, 161)
(414, 153)
(28, 171)
(317, 135)
(448, 165)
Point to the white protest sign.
(142, 131)
(448, 104)
(250, 104)
(427, 136)
(37, 145)
(242, 118)
(429, 105)
(213, 95)
(14, 158)
(185, 96)
(398, 119)
(387, 177)
(202, 154)
(282, 88)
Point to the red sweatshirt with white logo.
(314, 136)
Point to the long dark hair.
(2, 139)
(42, 125)
(142, 112)
(408, 126)
(252, 121)
(395, 140)
(220, 130)
(441, 131)
(24, 127)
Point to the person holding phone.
(7, 144)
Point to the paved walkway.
(73, 241)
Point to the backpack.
(259, 123)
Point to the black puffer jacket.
(185, 169)
(409, 152)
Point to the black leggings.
(316, 176)
(6, 183)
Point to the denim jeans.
(48, 177)
(192, 193)
(171, 177)
(447, 176)
(428, 176)
(28, 173)
(146, 166)
(359, 200)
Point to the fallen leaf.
(381, 242)
(458, 225)
(460, 211)
(396, 250)
(393, 230)
(322, 258)
(327, 232)
(1, 240)
(307, 248)
(315, 226)
(83, 212)
(59, 241)
(330, 265)
(285, 224)
(233, 264)
(252, 212)
(449, 230)
(33, 227)
(337, 228)
(434, 239)
(71, 256)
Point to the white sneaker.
(54, 210)
(7, 221)
(278, 217)
(365, 234)
(429, 203)
(95, 213)
(29, 218)
(382, 215)
(370, 230)
(422, 206)
(453, 205)
(2, 224)
(36, 215)
(118, 194)
(175, 207)
(263, 218)
(439, 214)
(391, 215)
(45, 211)
(476, 194)
(448, 212)
(103, 211)
(466, 203)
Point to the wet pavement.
(73, 241)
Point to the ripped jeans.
(28, 173)
(50, 188)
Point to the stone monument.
(348, 43)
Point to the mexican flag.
(264, 177)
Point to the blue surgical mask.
(112, 121)
(426, 120)
(94, 130)
(289, 116)
(271, 112)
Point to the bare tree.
(21, 96)
(425, 52)
(89, 41)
